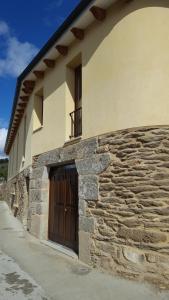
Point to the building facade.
(88, 142)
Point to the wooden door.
(63, 208)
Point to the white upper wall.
(125, 71)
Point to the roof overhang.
(80, 18)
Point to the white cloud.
(3, 134)
(17, 54)
(4, 29)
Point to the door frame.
(62, 164)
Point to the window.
(12, 160)
(17, 152)
(9, 166)
(24, 141)
(38, 110)
(78, 87)
(76, 115)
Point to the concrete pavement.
(62, 277)
(16, 284)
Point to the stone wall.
(17, 196)
(131, 235)
(3, 187)
(123, 201)
(89, 164)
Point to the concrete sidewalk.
(62, 277)
(16, 284)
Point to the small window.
(76, 115)
(24, 141)
(38, 111)
(78, 87)
(12, 159)
(17, 152)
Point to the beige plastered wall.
(126, 80)
(125, 76)
(23, 161)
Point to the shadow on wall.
(57, 81)
(119, 11)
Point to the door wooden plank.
(63, 208)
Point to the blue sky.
(25, 26)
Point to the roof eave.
(83, 5)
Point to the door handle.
(65, 209)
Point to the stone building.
(88, 141)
